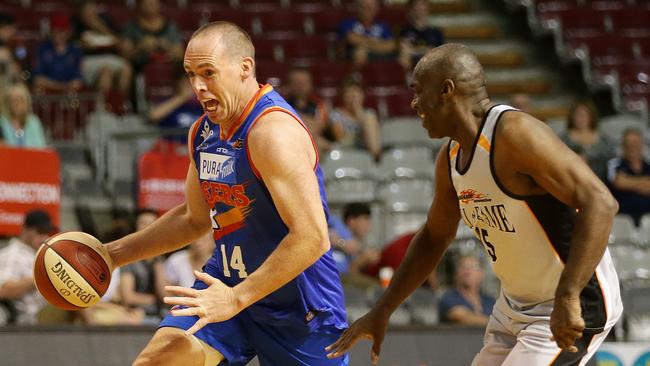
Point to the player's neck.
(469, 122)
(250, 88)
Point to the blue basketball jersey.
(247, 227)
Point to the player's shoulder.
(517, 126)
(276, 124)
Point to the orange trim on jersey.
(247, 110)
(278, 109)
(454, 151)
(193, 130)
(555, 358)
(484, 143)
(548, 240)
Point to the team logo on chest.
(217, 167)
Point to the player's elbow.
(609, 205)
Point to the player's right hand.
(371, 326)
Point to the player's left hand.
(567, 323)
(216, 303)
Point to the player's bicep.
(444, 214)
(283, 154)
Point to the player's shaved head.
(454, 62)
(233, 40)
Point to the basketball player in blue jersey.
(541, 214)
(271, 288)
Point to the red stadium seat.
(281, 20)
(239, 17)
(630, 20)
(384, 74)
(306, 50)
(266, 71)
(582, 21)
(394, 16)
(159, 80)
(266, 49)
(330, 74)
(602, 45)
(327, 21)
(399, 104)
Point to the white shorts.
(515, 338)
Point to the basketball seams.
(91, 242)
(63, 302)
(90, 284)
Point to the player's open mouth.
(210, 105)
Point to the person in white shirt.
(16, 267)
(179, 266)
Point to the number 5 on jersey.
(236, 261)
(483, 234)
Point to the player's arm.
(430, 242)
(15, 289)
(284, 156)
(535, 151)
(423, 255)
(175, 229)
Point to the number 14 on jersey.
(236, 261)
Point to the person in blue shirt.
(465, 303)
(178, 111)
(364, 37)
(58, 67)
(270, 288)
(629, 177)
(418, 35)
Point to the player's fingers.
(185, 301)
(194, 311)
(340, 347)
(376, 349)
(182, 291)
(195, 328)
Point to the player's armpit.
(531, 148)
(281, 150)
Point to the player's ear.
(247, 67)
(447, 88)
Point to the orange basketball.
(72, 270)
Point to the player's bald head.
(233, 40)
(454, 62)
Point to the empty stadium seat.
(623, 231)
(383, 74)
(285, 21)
(407, 163)
(405, 132)
(613, 126)
(330, 74)
(306, 50)
(407, 195)
(265, 70)
(644, 230)
(345, 163)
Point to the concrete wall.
(118, 346)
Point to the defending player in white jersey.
(540, 212)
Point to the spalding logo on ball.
(72, 270)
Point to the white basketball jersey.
(527, 238)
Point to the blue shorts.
(242, 338)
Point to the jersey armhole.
(277, 109)
(449, 164)
(192, 136)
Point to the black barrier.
(118, 346)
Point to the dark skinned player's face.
(426, 103)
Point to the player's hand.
(371, 326)
(567, 323)
(216, 303)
